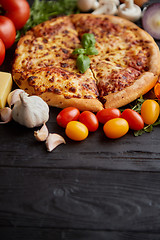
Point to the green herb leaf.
(83, 63)
(79, 51)
(138, 133)
(88, 40)
(91, 51)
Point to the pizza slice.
(60, 87)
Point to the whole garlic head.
(30, 111)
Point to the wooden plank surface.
(96, 189)
(80, 199)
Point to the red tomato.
(17, 10)
(133, 118)
(2, 51)
(105, 115)
(66, 115)
(90, 120)
(7, 31)
(116, 128)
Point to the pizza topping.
(118, 80)
(88, 42)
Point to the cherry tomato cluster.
(16, 15)
(115, 124)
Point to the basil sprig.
(88, 43)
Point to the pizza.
(126, 67)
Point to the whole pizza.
(127, 64)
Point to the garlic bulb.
(30, 111)
(14, 96)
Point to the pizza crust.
(141, 86)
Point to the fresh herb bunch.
(88, 43)
(43, 10)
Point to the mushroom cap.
(132, 14)
(109, 8)
(85, 5)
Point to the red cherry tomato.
(17, 10)
(7, 31)
(116, 128)
(150, 111)
(105, 115)
(66, 115)
(134, 119)
(2, 51)
(90, 120)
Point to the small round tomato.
(7, 31)
(2, 51)
(90, 120)
(157, 90)
(133, 118)
(105, 115)
(17, 10)
(66, 115)
(116, 128)
(150, 111)
(76, 131)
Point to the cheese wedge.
(5, 87)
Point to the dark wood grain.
(80, 199)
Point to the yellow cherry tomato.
(150, 111)
(76, 131)
(116, 128)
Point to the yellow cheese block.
(5, 87)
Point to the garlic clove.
(6, 115)
(14, 96)
(53, 141)
(42, 134)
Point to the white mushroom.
(129, 10)
(104, 2)
(109, 8)
(86, 5)
(53, 141)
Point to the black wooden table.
(97, 189)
